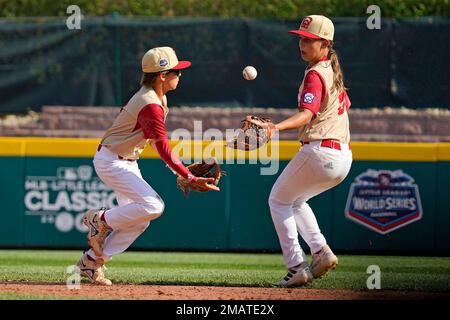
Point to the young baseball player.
(324, 159)
(139, 123)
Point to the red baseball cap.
(182, 65)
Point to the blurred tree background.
(99, 63)
(274, 9)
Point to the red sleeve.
(151, 120)
(313, 92)
(344, 100)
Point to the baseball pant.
(138, 202)
(312, 171)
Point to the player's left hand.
(204, 184)
(254, 133)
(261, 122)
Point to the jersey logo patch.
(308, 98)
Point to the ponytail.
(338, 75)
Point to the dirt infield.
(158, 292)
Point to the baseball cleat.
(93, 270)
(297, 276)
(97, 230)
(323, 261)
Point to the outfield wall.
(46, 185)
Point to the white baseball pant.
(312, 171)
(138, 202)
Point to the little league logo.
(384, 200)
(308, 98)
(163, 62)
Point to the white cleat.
(323, 261)
(93, 270)
(297, 276)
(97, 230)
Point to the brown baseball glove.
(209, 173)
(254, 133)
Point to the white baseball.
(249, 73)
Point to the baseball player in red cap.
(324, 159)
(139, 123)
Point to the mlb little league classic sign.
(384, 200)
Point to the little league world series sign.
(384, 200)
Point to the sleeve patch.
(308, 98)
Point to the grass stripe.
(228, 269)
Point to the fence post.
(117, 64)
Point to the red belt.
(119, 157)
(333, 144)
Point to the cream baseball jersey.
(331, 120)
(126, 137)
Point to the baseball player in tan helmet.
(139, 123)
(324, 159)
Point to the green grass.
(21, 296)
(228, 269)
